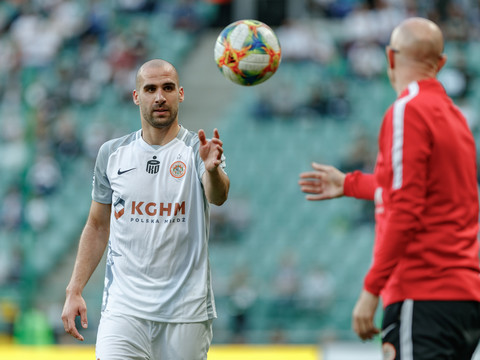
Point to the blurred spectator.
(37, 213)
(286, 284)
(366, 32)
(282, 101)
(12, 142)
(372, 22)
(11, 210)
(366, 59)
(453, 24)
(96, 19)
(37, 38)
(9, 57)
(317, 290)
(360, 156)
(44, 176)
(328, 100)
(186, 17)
(338, 105)
(66, 143)
(317, 103)
(124, 55)
(300, 43)
(66, 18)
(242, 297)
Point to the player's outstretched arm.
(92, 245)
(323, 182)
(215, 180)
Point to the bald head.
(155, 64)
(419, 40)
(415, 52)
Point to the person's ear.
(135, 97)
(390, 57)
(181, 94)
(441, 61)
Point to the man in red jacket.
(426, 254)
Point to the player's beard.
(159, 122)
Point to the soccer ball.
(247, 52)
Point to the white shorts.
(123, 337)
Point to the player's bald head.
(155, 64)
(418, 39)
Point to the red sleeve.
(404, 148)
(359, 185)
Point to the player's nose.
(159, 98)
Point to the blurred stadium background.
(286, 271)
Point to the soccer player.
(426, 253)
(151, 195)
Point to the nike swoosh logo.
(120, 172)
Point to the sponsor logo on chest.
(150, 212)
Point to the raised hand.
(214, 179)
(324, 182)
(210, 150)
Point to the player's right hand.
(210, 150)
(74, 306)
(323, 182)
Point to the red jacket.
(425, 189)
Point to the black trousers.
(431, 330)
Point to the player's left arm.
(215, 181)
(406, 199)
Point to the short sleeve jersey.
(157, 260)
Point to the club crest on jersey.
(178, 169)
(153, 166)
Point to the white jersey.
(157, 261)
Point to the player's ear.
(441, 61)
(390, 57)
(135, 97)
(181, 94)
